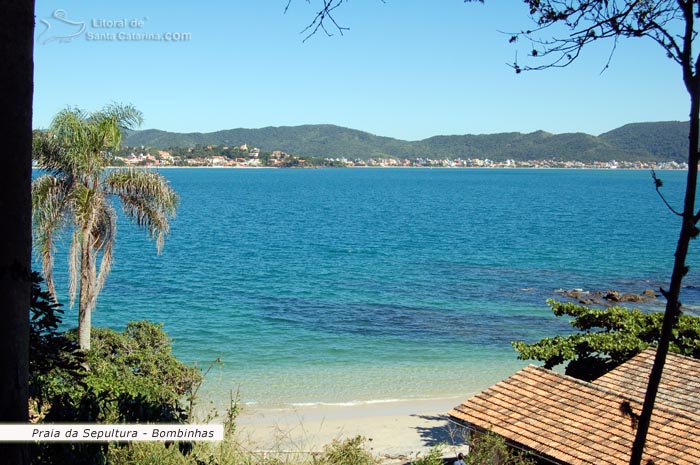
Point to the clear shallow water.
(356, 285)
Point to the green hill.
(662, 141)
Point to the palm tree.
(76, 194)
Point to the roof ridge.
(576, 380)
(652, 349)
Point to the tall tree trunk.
(16, 76)
(673, 305)
(88, 277)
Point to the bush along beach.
(126, 377)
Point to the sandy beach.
(397, 431)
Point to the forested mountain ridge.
(667, 140)
(656, 141)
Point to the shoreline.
(381, 386)
(396, 430)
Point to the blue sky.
(406, 68)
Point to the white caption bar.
(110, 433)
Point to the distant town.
(244, 156)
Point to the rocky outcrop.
(607, 298)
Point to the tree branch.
(658, 185)
(325, 15)
(590, 21)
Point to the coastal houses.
(565, 421)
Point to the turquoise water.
(358, 285)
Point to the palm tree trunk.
(84, 324)
(673, 305)
(88, 278)
(16, 75)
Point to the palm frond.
(86, 205)
(85, 202)
(50, 208)
(73, 133)
(49, 154)
(69, 126)
(112, 120)
(107, 134)
(147, 199)
(126, 116)
(104, 234)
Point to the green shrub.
(145, 380)
(490, 449)
(126, 377)
(434, 457)
(147, 453)
(351, 451)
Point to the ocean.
(345, 286)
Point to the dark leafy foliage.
(128, 377)
(138, 367)
(54, 359)
(607, 338)
(488, 448)
(56, 376)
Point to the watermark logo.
(59, 28)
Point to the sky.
(408, 69)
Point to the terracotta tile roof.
(569, 421)
(680, 382)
